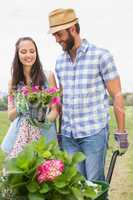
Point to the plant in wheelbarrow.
(43, 172)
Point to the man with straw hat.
(85, 73)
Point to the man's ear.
(72, 29)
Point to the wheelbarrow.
(105, 184)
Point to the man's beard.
(69, 42)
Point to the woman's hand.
(53, 114)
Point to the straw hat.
(61, 19)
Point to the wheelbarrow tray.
(104, 189)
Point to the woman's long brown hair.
(37, 74)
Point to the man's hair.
(77, 28)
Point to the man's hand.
(122, 141)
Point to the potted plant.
(44, 172)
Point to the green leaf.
(77, 193)
(18, 185)
(40, 145)
(14, 179)
(39, 160)
(46, 154)
(11, 167)
(25, 159)
(35, 196)
(70, 173)
(66, 177)
(52, 146)
(78, 157)
(63, 155)
(77, 178)
(45, 188)
(33, 186)
(60, 183)
(89, 192)
(64, 191)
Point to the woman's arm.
(54, 108)
(12, 113)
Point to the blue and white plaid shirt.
(85, 100)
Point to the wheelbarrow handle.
(112, 165)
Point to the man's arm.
(114, 89)
(121, 135)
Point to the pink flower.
(35, 88)
(25, 90)
(55, 100)
(49, 170)
(52, 90)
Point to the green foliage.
(128, 99)
(21, 175)
(4, 124)
(3, 103)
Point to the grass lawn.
(122, 180)
(4, 124)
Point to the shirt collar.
(84, 46)
(82, 49)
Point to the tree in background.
(3, 103)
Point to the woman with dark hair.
(26, 71)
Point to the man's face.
(65, 39)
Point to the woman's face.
(27, 53)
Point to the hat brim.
(62, 27)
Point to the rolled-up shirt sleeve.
(108, 68)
